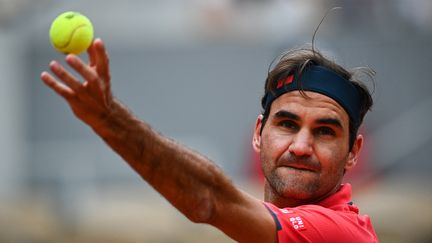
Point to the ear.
(354, 153)
(256, 140)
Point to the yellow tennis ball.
(71, 32)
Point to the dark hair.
(295, 60)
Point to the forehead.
(313, 104)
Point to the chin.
(301, 192)
(295, 187)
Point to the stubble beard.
(293, 187)
(290, 183)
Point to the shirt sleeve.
(313, 223)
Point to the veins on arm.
(187, 179)
(192, 183)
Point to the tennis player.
(306, 136)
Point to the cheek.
(332, 159)
(333, 151)
(273, 146)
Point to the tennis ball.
(71, 32)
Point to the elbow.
(203, 210)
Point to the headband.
(322, 80)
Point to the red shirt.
(334, 219)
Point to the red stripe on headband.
(282, 82)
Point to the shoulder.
(319, 224)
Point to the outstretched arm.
(190, 181)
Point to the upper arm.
(245, 219)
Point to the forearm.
(190, 181)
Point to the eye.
(288, 124)
(325, 131)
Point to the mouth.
(300, 168)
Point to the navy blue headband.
(324, 81)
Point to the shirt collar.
(340, 200)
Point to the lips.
(300, 167)
(300, 163)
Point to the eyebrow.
(286, 114)
(322, 121)
(330, 121)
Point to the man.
(307, 139)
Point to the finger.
(102, 64)
(58, 87)
(92, 55)
(64, 75)
(83, 69)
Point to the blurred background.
(195, 71)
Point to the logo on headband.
(287, 81)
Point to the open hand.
(90, 97)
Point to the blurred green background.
(195, 71)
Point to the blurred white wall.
(12, 106)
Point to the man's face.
(304, 146)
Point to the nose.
(301, 144)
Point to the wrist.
(109, 118)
